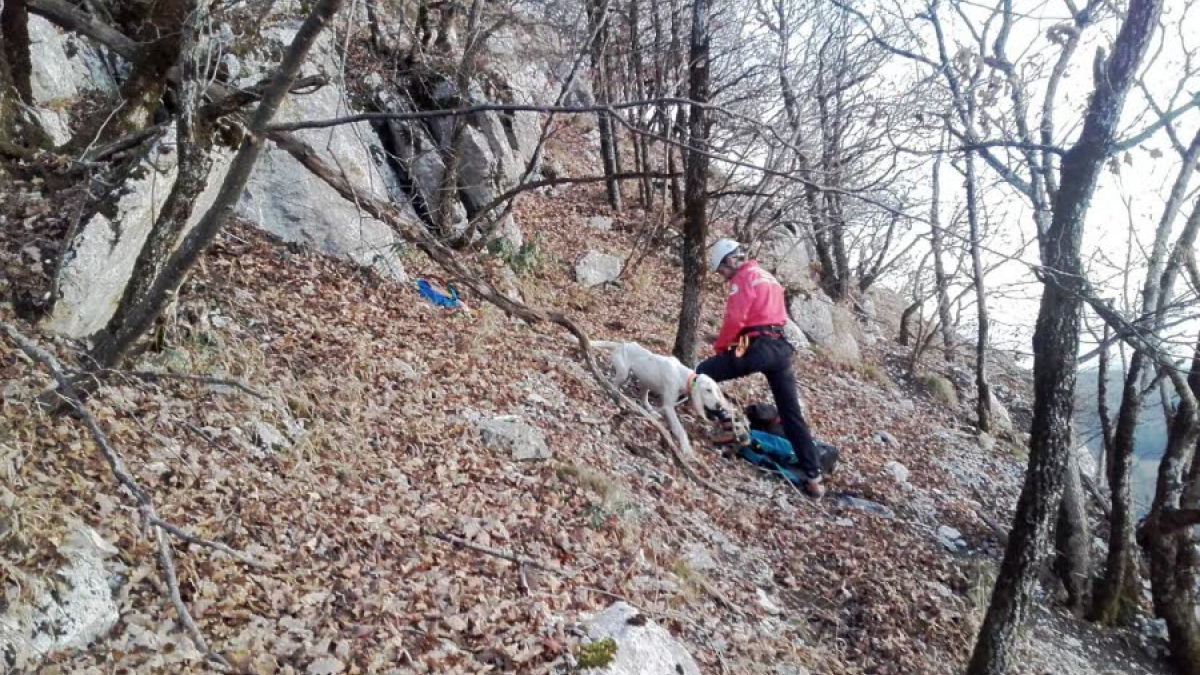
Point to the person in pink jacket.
(751, 340)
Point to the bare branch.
(1162, 121)
(66, 16)
(154, 376)
(117, 466)
(504, 555)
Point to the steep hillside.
(416, 489)
(365, 478)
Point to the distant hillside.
(1150, 437)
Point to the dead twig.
(504, 555)
(190, 538)
(155, 376)
(146, 507)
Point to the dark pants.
(772, 357)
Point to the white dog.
(670, 380)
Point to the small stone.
(986, 442)
(602, 223)
(899, 472)
(525, 442)
(326, 665)
(866, 505)
(404, 369)
(884, 438)
(844, 522)
(766, 602)
(268, 437)
(596, 268)
(950, 538)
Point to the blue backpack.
(775, 453)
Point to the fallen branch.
(504, 555)
(190, 538)
(121, 144)
(69, 18)
(231, 100)
(155, 376)
(416, 233)
(474, 110)
(1168, 521)
(146, 507)
(567, 180)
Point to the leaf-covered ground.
(363, 458)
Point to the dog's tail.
(605, 344)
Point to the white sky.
(1142, 180)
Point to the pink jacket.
(755, 299)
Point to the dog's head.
(707, 399)
(710, 403)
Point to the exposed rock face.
(786, 254)
(885, 307)
(282, 196)
(830, 326)
(597, 268)
(524, 441)
(75, 608)
(100, 258)
(1000, 417)
(643, 647)
(64, 68)
(285, 199)
(418, 159)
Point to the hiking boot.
(813, 488)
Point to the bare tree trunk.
(140, 317)
(1056, 345)
(983, 402)
(194, 141)
(141, 94)
(641, 147)
(906, 322)
(14, 47)
(695, 232)
(600, 22)
(1171, 545)
(1111, 596)
(10, 98)
(1106, 431)
(939, 269)
(20, 132)
(679, 127)
(1073, 540)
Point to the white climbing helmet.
(719, 251)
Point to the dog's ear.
(699, 393)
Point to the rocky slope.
(441, 491)
(375, 445)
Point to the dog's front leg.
(685, 445)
